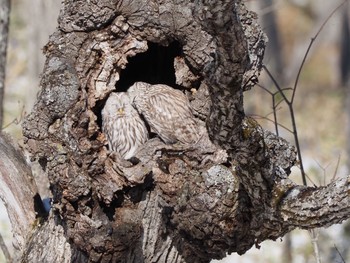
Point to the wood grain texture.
(17, 190)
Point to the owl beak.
(120, 111)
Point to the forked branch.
(290, 101)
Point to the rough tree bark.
(168, 207)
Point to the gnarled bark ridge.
(169, 207)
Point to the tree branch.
(310, 207)
(17, 189)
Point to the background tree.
(166, 208)
(4, 30)
(345, 66)
(274, 50)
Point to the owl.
(167, 111)
(123, 126)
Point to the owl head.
(118, 105)
(137, 89)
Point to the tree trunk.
(18, 190)
(34, 13)
(170, 206)
(274, 49)
(344, 62)
(4, 30)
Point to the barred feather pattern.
(167, 111)
(122, 125)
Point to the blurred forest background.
(322, 102)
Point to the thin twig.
(280, 90)
(268, 119)
(340, 255)
(289, 102)
(270, 92)
(296, 138)
(311, 181)
(274, 105)
(324, 169)
(314, 235)
(309, 47)
(275, 113)
(267, 90)
(16, 120)
(294, 125)
(336, 168)
(5, 250)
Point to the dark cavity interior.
(155, 66)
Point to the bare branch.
(336, 168)
(309, 47)
(290, 101)
(274, 104)
(294, 125)
(324, 169)
(268, 119)
(16, 120)
(340, 255)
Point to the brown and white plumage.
(122, 125)
(167, 111)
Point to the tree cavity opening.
(155, 66)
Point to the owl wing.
(168, 113)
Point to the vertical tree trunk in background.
(287, 249)
(34, 13)
(344, 61)
(274, 50)
(40, 17)
(5, 6)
